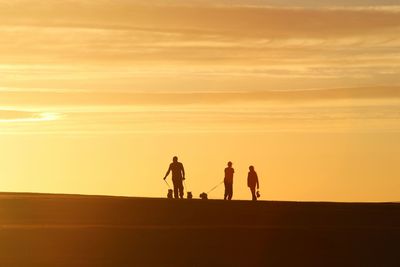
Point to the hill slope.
(71, 230)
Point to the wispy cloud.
(179, 97)
(190, 62)
(19, 116)
(331, 117)
(317, 110)
(71, 44)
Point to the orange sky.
(97, 96)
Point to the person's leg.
(226, 191)
(253, 193)
(230, 191)
(181, 193)
(228, 187)
(176, 188)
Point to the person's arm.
(258, 185)
(169, 170)
(183, 172)
(248, 180)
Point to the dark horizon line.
(27, 193)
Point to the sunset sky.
(96, 97)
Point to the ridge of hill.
(76, 230)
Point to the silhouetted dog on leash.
(203, 196)
(170, 193)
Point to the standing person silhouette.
(252, 182)
(228, 181)
(178, 175)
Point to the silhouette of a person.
(252, 182)
(228, 181)
(178, 175)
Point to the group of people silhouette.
(178, 176)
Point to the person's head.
(229, 164)
(251, 168)
(175, 159)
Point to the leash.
(215, 187)
(184, 183)
(167, 184)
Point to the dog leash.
(215, 187)
(184, 183)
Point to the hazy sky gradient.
(97, 96)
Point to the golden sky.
(97, 96)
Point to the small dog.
(258, 194)
(170, 193)
(189, 195)
(203, 196)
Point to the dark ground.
(63, 230)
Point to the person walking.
(228, 181)
(178, 176)
(252, 182)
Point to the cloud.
(13, 116)
(228, 116)
(229, 21)
(92, 31)
(165, 98)
(126, 45)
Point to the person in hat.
(228, 181)
(178, 176)
(252, 182)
